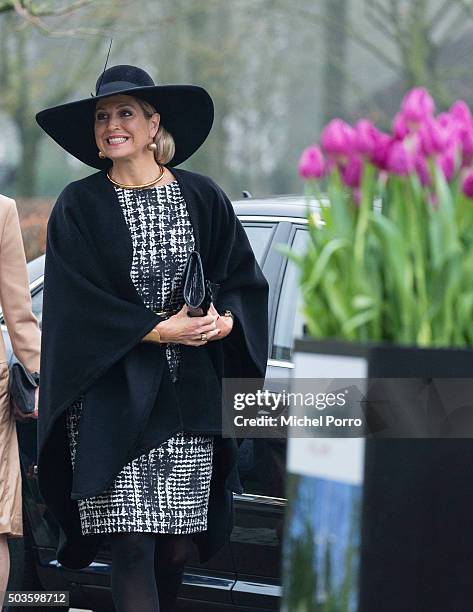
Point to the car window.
(37, 304)
(289, 319)
(259, 235)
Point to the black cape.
(93, 323)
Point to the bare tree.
(334, 77)
(419, 31)
(411, 35)
(39, 15)
(33, 74)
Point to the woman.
(24, 333)
(130, 429)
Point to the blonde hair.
(163, 139)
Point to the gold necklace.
(143, 186)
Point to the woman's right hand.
(182, 329)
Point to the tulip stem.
(364, 211)
(424, 334)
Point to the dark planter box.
(416, 551)
(396, 361)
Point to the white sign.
(338, 459)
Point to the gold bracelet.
(149, 337)
(157, 332)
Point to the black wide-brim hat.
(186, 111)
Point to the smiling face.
(122, 131)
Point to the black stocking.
(133, 579)
(171, 554)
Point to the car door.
(216, 578)
(256, 540)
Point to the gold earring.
(101, 155)
(152, 147)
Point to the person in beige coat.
(15, 301)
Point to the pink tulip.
(452, 127)
(460, 111)
(351, 172)
(338, 138)
(370, 142)
(447, 162)
(465, 136)
(447, 121)
(432, 136)
(400, 128)
(366, 137)
(381, 152)
(422, 170)
(311, 163)
(417, 105)
(467, 185)
(399, 160)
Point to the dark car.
(246, 574)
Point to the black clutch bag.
(198, 292)
(22, 386)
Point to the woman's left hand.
(224, 324)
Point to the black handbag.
(22, 386)
(198, 292)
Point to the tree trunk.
(26, 171)
(27, 130)
(334, 80)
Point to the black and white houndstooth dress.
(167, 489)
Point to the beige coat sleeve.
(15, 296)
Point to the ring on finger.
(203, 337)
